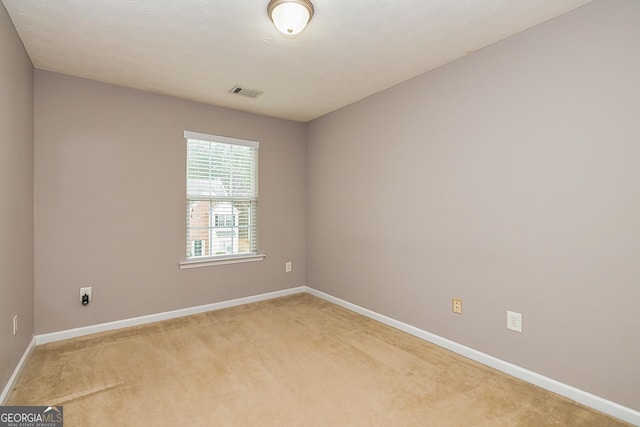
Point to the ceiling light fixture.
(290, 16)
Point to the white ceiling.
(199, 49)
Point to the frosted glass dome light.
(290, 16)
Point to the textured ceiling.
(199, 49)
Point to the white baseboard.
(157, 317)
(598, 403)
(17, 371)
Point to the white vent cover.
(249, 93)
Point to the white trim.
(217, 138)
(603, 405)
(17, 371)
(207, 262)
(157, 317)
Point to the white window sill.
(207, 262)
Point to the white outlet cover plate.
(514, 321)
(87, 291)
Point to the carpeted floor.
(293, 361)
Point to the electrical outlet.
(287, 267)
(15, 324)
(514, 321)
(85, 291)
(456, 305)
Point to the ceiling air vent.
(249, 93)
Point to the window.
(225, 220)
(196, 247)
(222, 196)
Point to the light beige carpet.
(293, 361)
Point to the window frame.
(204, 261)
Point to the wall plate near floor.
(456, 305)
(514, 321)
(85, 295)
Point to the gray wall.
(16, 197)
(510, 179)
(110, 203)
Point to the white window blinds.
(222, 196)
